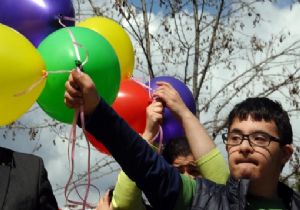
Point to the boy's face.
(186, 165)
(253, 162)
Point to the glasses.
(259, 139)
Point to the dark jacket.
(232, 196)
(161, 182)
(24, 183)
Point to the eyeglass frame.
(247, 137)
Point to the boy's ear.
(287, 151)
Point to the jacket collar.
(237, 192)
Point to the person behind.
(24, 183)
(126, 194)
(177, 152)
(258, 143)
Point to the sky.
(279, 18)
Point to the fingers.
(156, 106)
(164, 89)
(72, 102)
(162, 83)
(155, 111)
(73, 97)
(72, 88)
(81, 90)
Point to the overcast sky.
(55, 156)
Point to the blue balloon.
(171, 127)
(35, 19)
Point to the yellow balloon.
(117, 37)
(21, 67)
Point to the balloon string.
(35, 84)
(78, 112)
(61, 17)
(40, 80)
(72, 141)
(76, 45)
(144, 85)
(160, 144)
(79, 203)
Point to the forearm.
(150, 172)
(199, 140)
(212, 166)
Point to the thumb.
(77, 78)
(82, 80)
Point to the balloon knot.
(78, 64)
(44, 73)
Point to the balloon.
(58, 53)
(35, 19)
(97, 144)
(118, 38)
(21, 68)
(131, 103)
(171, 126)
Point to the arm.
(199, 141)
(158, 180)
(126, 194)
(212, 166)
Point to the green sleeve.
(126, 194)
(186, 194)
(212, 166)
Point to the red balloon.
(131, 103)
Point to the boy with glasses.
(255, 158)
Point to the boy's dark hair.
(264, 109)
(176, 147)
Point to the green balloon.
(58, 53)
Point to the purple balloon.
(35, 19)
(171, 127)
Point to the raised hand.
(81, 90)
(166, 93)
(154, 118)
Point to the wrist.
(185, 114)
(148, 136)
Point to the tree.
(214, 47)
